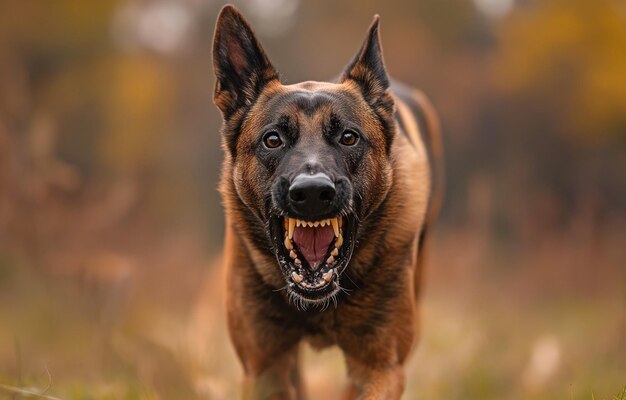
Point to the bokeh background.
(111, 225)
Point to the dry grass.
(497, 323)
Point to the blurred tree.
(569, 56)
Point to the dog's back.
(417, 119)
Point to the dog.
(330, 191)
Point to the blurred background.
(111, 225)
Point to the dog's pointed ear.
(241, 67)
(367, 68)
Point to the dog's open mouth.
(313, 254)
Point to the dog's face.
(309, 161)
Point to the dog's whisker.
(347, 275)
(344, 290)
(326, 304)
(281, 288)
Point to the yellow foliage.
(139, 98)
(571, 53)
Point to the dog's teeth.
(335, 252)
(339, 241)
(340, 222)
(335, 224)
(297, 261)
(292, 225)
(288, 244)
(330, 260)
(293, 254)
(310, 224)
(297, 278)
(323, 222)
(328, 276)
(316, 224)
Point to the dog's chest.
(321, 329)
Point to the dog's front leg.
(269, 358)
(374, 383)
(375, 351)
(279, 380)
(266, 345)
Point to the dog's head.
(309, 162)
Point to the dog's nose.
(312, 195)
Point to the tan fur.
(376, 324)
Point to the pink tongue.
(313, 243)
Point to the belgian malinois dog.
(330, 190)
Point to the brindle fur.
(398, 178)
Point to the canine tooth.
(292, 225)
(335, 252)
(297, 261)
(340, 222)
(339, 241)
(285, 223)
(330, 260)
(328, 276)
(335, 226)
(293, 254)
(296, 277)
(288, 244)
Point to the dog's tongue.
(313, 243)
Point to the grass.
(490, 331)
(619, 396)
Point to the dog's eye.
(271, 140)
(349, 138)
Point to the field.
(498, 323)
(111, 225)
